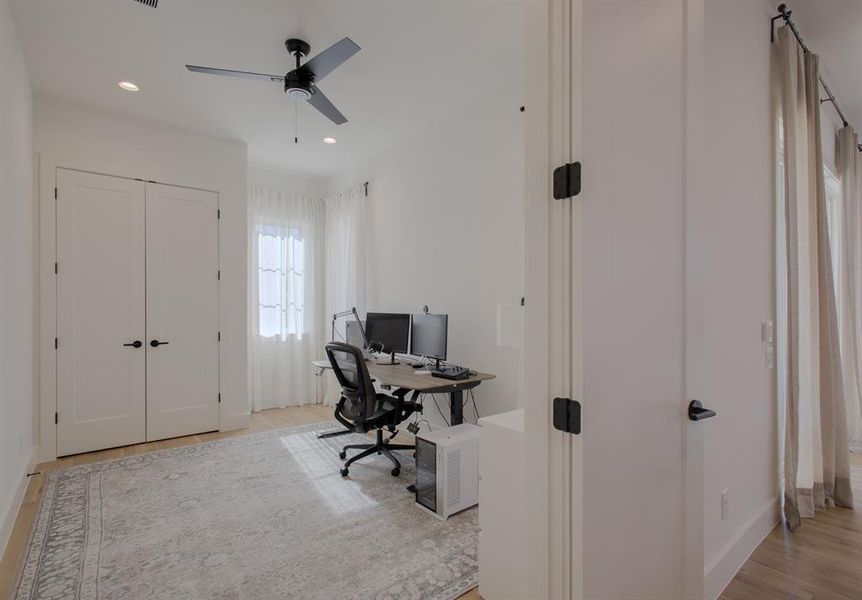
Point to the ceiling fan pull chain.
(295, 124)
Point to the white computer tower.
(447, 470)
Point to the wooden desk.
(403, 376)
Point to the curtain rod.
(784, 14)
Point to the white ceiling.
(833, 30)
(419, 61)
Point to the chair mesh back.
(352, 374)
(348, 368)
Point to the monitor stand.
(391, 361)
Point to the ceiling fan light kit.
(301, 82)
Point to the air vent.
(153, 3)
(453, 477)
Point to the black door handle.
(157, 343)
(696, 411)
(135, 344)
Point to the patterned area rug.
(260, 516)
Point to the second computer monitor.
(429, 336)
(391, 330)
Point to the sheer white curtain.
(847, 165)
(816, 461)
(286, 297)
(345, 262)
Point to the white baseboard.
(237, 421)
(721, 570)
(7, 519)
(44, 453)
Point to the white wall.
(70, 135)
(445, 228)
(736, 209)
(303, 186)
(17, 433)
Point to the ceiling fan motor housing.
(297, 84)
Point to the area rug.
(265, 515)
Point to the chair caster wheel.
(342, 455)
(396, 472)
(344, 472)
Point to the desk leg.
(456, 407)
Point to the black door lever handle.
(696, 411)
(135, 344)
(157, 343)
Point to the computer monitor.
(354, 335)
(391, 330)
(429, 335)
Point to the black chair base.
(381, 446)
(330, 434)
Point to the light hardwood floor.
(262, 421)
(822, 560)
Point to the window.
(281, 262)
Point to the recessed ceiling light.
(329, 140)
(128, 86)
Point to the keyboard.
(451, 372)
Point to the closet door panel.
(182, 311)
(100, 308)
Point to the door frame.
(553, 356)
(46, 291)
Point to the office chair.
(362, 409)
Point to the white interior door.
(100, 309)
(634, 336)
(182, 311)
(610, 302)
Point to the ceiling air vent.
(153, 3)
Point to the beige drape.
(847, 166)
(816, 461)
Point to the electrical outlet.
(725, 503)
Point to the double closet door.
(137, 311)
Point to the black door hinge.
(218, 275)
(218, 213)
(55, 193)
(567, 181)
(56, 268)
(56, 343)
(219, 336)
(567, 415)
(56, 418)
(219, 398)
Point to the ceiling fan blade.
(325, 62)
(230, 73)
(319, 101)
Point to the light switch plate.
(768, 331)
